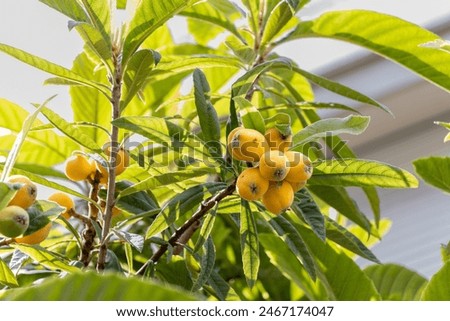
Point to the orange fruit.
(278, 198)
(35, 237)
(273, 165)
(64, 200)
(251, 185)
(26, 195)
(300, 168)
(247, 144)
(79, 168)
(278, 141)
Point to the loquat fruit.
(278, 198)
(278, 141)
(122, 159)
(296, 186)
(26, 195)
(35, 237)
(251, 185)
(64, 200)
(14, 221)
(274, 165)
(78, 167)
(247, 144)
(300, 167)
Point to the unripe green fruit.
(14, 221)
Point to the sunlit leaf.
(438, 289)
(249, 244)
(7, 276)
(435, 171)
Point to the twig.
(110, 197)
(195, 218)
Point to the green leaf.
(396, 283)
(91, 286)
(99, 12)
(207, 262)
(351, 124)
(181, 64)
(136, 203)
(338, 198)
(296, 244)
(7, 276)
(380, 33)
(93, 38)
(244, 84)
(136, 240)
(149, 16)
(438, 289)
(136, 74)
(222, 289)
(156, 181)
(219, 13)
(305, 207)
(52, 68)
(88, 105)
(243, 51)
(278, 18)
(341, 89)
(70, 130)
(207, 115)
(121, 4)
(344, 238)
(21, 136)
(250, 115)
(181, 205)
(357, 172)
(45, 257)
(249, 244)
(435, 171)
(71, 9)
(7, 192)
(284, 260)
(207, 226)
(342, 277)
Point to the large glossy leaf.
(386, 35)
(249, 244)
(435, 171)
(284, 259)
(217, 12)
(338, 198)
(207, 114)
(90, 286)
(207, 262)
(149, 15)
(70, 130)
(396, 283)
(352, 124)
(277, 20)
(340, 89)
(180, 64)
(340, 235)
(306, 208)
(88, 105)
(94, 40)
(438, 289)
(51, 68)
(99, 12)
(45, 257)
(181, 205)
(341, 276)
(135, 77)
(357, 172)
(71, 9)
(7, 276)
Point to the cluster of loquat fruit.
(278, 173)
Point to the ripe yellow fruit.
(64, 200)
(79, 168)
(297, 185)
(278, 141)
(35, 237)
(104, 175)
(122, 159)
(274, 165)
(247, 144)
(300, 167)
(26, 195)
(251, 185)
(278, 198)
(14, 221)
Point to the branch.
(193, 221)
(110, 196)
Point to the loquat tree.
(222, 193)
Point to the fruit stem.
(6, 242)
(110, 196)
(179, 234)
